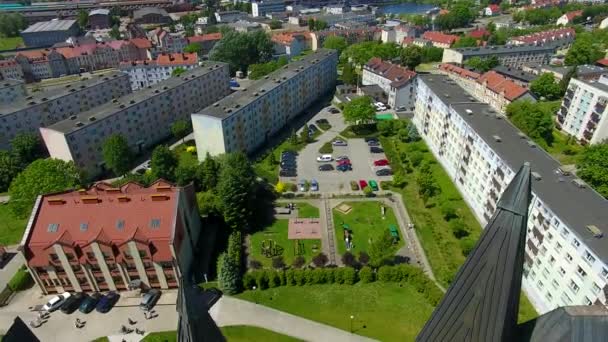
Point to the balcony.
(591, 126)
(599, 107)
(588, 135)
(595, 118)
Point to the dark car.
(384, 172)
(71, 304)
(326, 167)
(375, 149)
(368, 139)
(149, 299)
(373, 143)
(312, 128)
(288, 173)
(288, 163)
(344, 167)
(89, 303)
(322, 121)
(288, 154)
(333, 110)
(107, 302)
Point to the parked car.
(375, 149)
(149, 299)
(106, 302)
(373, 143)
(288, 173)
(384, 172)
(71, 304)
(339, 143)
(368, 139)
(381, 162)
(288, 164)
(380, 106)
(289, 153)
(344, 167)
(89, 303)
(321, 121)
(314, 185)
(324, 158)
(56, 302)
(333, 110)
(362, 184)
(373, 185)
(344, 162)
(326, 167)
(302, 185)
(342, 158)
(312, 128)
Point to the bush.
(308, 277)
(329, 275)
(386, 185)
(261, 280)
(366, 275)
(299, 278)
(349, 275)
(21, 280)
(363, 258)
(326, 148)
(228, 274)
(459, 228)
(348, 259)
(368, 191)
(249, 280)
(339, 275)
(273, 279)
(354, 186)
(467, 244)
(320, 260)
(416, 158)
(298, 262)
(290, 278)
(278, 263)
(448, 211)
(318, 276)
(254, 264)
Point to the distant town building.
(519, 76)
(439, 39)
(289, 45)
(396, 34)
(10, 70)
(508, 55)
(336, 9)
(148, 72)
(144, 117)
(207, 41)
(246, 119)
(151, 15)
(352, 36)
(563, 37)
(491, 10)
(11, 91)
(568, 18)
(47, 33)
(106, 238)
(245, 26)
(333, 19)
(229, 16)
(166, 42)
(99, 19)
(397, 82)
(261, 8)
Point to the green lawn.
(277, 232)
(384, 311)
(427, 67)
(247, 333)
(366, 223)
(307, 210)
(186, 158)
(11, 228)
(565, 150)
(10, 43)
(163, 336)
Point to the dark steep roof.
(587, 323)
(483, 301)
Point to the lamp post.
(351, 323)
(255, 295)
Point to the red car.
(381, 162)
(344, 161)
(362, 184)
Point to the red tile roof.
(462, 72)
(205, 38)
(397, 74)
(438, 37)
(141, 43)
(479, 33)
(603, 62)
(502, 85)
(167, 59)
(573, 14)
(494, 8)
(545, 36)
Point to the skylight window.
(155, 223)
(84, 226)
(120, 224)
(53, 227)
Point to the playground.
(357, 224)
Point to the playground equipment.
(348, 236)
(270, 249)
(394, 233)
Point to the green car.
(373, 185)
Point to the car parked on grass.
(324, 158)
(375, 149)
(71, 304)
(149, 299)
(373, 185)
(56, 302)
(106, 302)
(339, 143)
(362, 184)
(381, 162)
(89, 303)
(384, 172)
(314, 185)
(326, 167)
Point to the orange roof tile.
(205, 37)
(141, 43)
(438, 37)
(502, 85)
(397, 74)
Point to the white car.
(324, 158)
(56, 302)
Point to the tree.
(194, 48)
(278, 263)
(304, 137)
(207, 173)
(185, 174)
(368, 192)
(26, 147)
(43, 176)
(466, 41)
(482, 64)
(348, 259)
(228, 274)
(411, 56)
(11, 24)
(320, 260)
(359, 111)
(593, 167)
(114, 32)
(412, 133)
(336, 43)
(178, 72)
(236, 189)
(546, 87)
(117, 154)
(83, 19)
(427, 186)
(298, 262)
(180, 128)
(242, 49)
(257, 71)
(431, 54)
(208, 203)
(534, 118)
(275, 24)
(10, 166)
(363, 258)
(584, 50)
(381, 249)
(163, 162)
(348, 74)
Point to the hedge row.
(414, 276)
(21, 280)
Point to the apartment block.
(396, 81)
(508, 55)
(566, 257)
(144, 117)
(562, 36)
(261, 8)
(146, 73)
(10, 70)
(245, 120)
(583, 111)
(11, 91)
(44, 108)
(105, 238)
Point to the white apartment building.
(396, 81)
(246, 119)
(44, 108)
(396, 34)
(146, 73)
(11, 91)
(566, 251)
(583, 112)
(260, 8)
(144, 117)
(508, 55)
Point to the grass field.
(384, 311)
(306, 210)
(186, 158)
(11, 229)
(246, 333)
(162, 336)
(10, 43)
(565, 150)
(366, 222)
(277, 232)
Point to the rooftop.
(515, 73)
(397, 74)
(550, 35)
(139, 13)
(9, 83)
(104, 111)
(51, 25)
(577, 207)
(99, 11)
(57, 92)
(440, 37)
(504, 49)
(166, 59)
(229, 104)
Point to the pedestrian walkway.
(329, 230)
(232, 311)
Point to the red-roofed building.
(396, 81)
(145, 73)
(565, 36)
(10, 70)
(207, 41)
(439, 39)
(491, 10)
(569, 17)
(480, 33)
(289, 44)
(105, 238)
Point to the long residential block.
(44, 108)
(143, 117)
(508, 55)
(11, 91)
(246, 119)
(566, 257)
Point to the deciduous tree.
(545, 86)
(359, 111)
(336, 43)
(207, 173)
(348, 74)
(240, 50)
(181, 128)
(10, 166)
(27, 147)
(163, 163)
(411, 56)
(236, 189)
(593, 167)
(534, 119)
(117, 154)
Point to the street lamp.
(255, 297)
(351, 323)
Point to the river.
(407, 8)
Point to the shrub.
(249, 280)
(329, 275)
(298, 276)
(385, 185)
(459, 228)
(368, 191)
(448, 211)
(416, 158)
(348, 259)
(354, 186)
(282, 280)
(467, 244)
(290, 278)
(261, 280)
(326, 148)
(273, 279)
(278, 263)
(366, 274)
(21, 280)
(308, 277)
(363, 258)
(254, 264)
(385, 274)
(339, 275)
(349, 275)
(318, 276)
(228, 274)
(298, 262)
(320, 260)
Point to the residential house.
(99, 18)
(151, 15)
(149, 72)
(439, 39)
(568, 18)
(397, 82)
(288, 44)
(562, 37)
(491, 10)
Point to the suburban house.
(491, 10)
(396, 81)
(568, 18)
(439, 39)
(290, 45)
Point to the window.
(568, 257)
(142, 253)
(54, 257)
(562, 271)
(574, 287)
(120, 224)
(539, 284)
(589, 257)
(581, 272)
(555, 284)
(84, 226)
(596, 288)
(70, 256)
(575, 243)
(155, 223)
(53, 227)
(604, 273)
(549, 296)
(551, 260)
(558, 247)
(566, 299)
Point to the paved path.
(9, 270)
(232, 311)
(326, 208)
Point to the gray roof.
(242, 98)
(504, 49)
(38, 97)
(576, 207)
(100, 11)
(9, 83)
(51, 25)
(515, 73)
(587, 323)
(587, 69)
(137, 14)
(123, 103)
(595, 84)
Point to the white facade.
(245, 120)
(261, 8)
(565, 264)
(143, 75)
(399, 88)
(583, 112)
